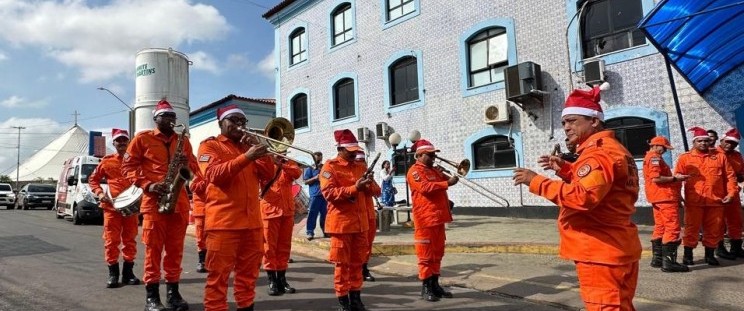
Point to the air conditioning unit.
(498, 113)
(363, 134)
(520, 80)
(382, 130)
(594, 71)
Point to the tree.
(6, 179)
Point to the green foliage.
(6, 179)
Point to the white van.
(7, 196)
(74, 197)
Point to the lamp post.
(395, 140)
(131, 110)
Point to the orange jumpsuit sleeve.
(420, 183)
(583, 194)
(374, 189)
(132, 165)
(216, 169)
(731, 186)
(192, 164)
(94, 181)
(291, 170)
(198, 185)
(679, 168)
(565, 172)
(331, 186)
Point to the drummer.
(118, 229)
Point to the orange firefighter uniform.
(145, 163)
(198, 188)
(732, 210)
(277, 212)
(711, 179)
(430, 212)
(594, 221)
(664, 198)
(117, 229)
(233, 220)
(347, 221)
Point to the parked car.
(7, 196)
(74, 196)
(35, 195)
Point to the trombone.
(278, 136)
(462, 169)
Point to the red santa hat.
(732, 135)
(585, 103)
(346, 139)
(228, 110)
(698, 132)
(163, 106)
(116, 133)
(423, 146)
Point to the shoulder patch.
(416, 176)
(204, 158)
(126, 155)
(655, 161)
(326, 174)
(583, 170)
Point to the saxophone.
(175, 178)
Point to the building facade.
(436, 66)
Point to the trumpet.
(462, 168)
(278, 137)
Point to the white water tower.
(160, 74)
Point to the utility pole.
(18, 155)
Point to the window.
(404, 81)
(400, 165)
(610, 25)
(298, 46)
(487, 57)
(493, 152)
(299, 111)
(342, 24)
(399, 8)
(634, 133)
(343, 99)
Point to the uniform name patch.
(204, 158)
(326, 174)
(584, 170)
(655, 161)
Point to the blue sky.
(55, 54)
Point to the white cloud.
(38, 133)
(20, 102)
(238, 61)
(3, 56)
(266, 66)
(101, 41)
(203, 61)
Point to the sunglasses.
(237, 120)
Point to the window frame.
(660, 118)
(628, 32)
(290, 109)
(387, 82)
(488, 67)
(478, 143)
(332, 46)
(289, 52)
(652, 125)
(332, 99)
(384, 17)
(467, 36)
(468, 148)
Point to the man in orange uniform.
(199, 192)
(732, 210)
(345, 187)
(145, 165)
(711, 185)
(117, 228)
(431, 211)
(596, 205)
(361, 159)
(663, 192)
(233, 164)
(277, 211)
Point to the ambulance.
(74, 197)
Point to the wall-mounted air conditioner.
(498, 113)
(520, 80)
(363, 134)
(594, 71)
(382, 130)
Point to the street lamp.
(131, 110)
(395, 140)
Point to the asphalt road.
(50, 264)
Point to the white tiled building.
(436, 65)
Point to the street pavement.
(50, 264)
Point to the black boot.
(736, 248)
(427, 292)
(127, 275)
(669, 261)
(173, 300)
(710, 258)
(152, 303)
(656, 253)
(200, 265)
(248, 308)
(355, 301)
(365, 273)
(721, 252)
(274, 288)
(438, 290)
(345, 303)
(113, 279)
(282, 281)
(687, 257)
